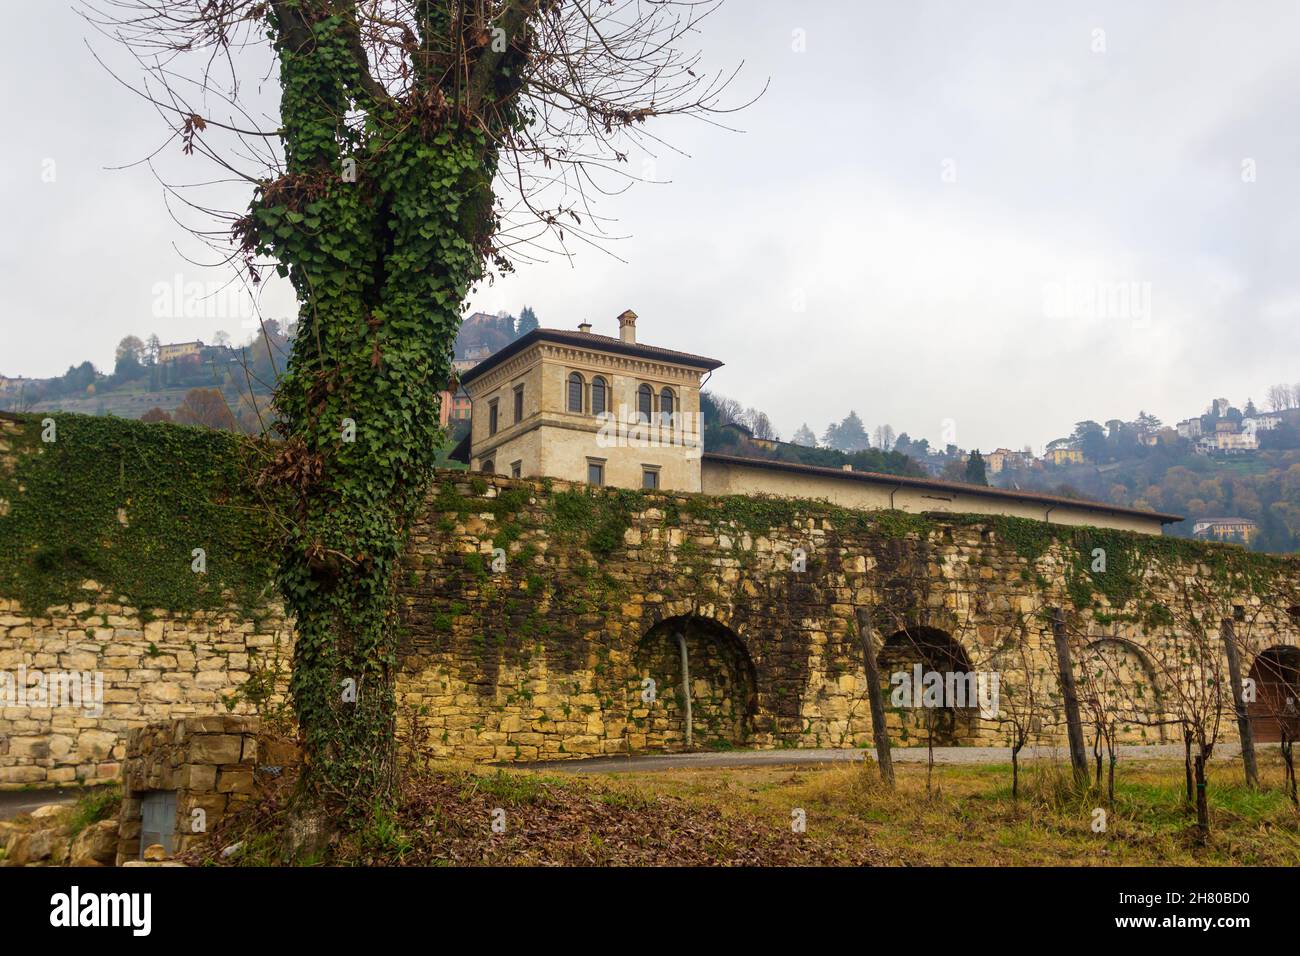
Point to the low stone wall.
(541, 620)
(142, 666)
(212, 764)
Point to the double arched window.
(575, 399)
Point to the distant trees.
(1090, 438)
(904, 445)
(849, 435)
(976, 469)
(266, 356)
(1281, 397)
(719, 410)
(1147, 424)
(155, 414)
(884, 437)
(759, 424)
(803, 435)
(254, 368)
(76, 379)
(527, 321)
(206, 407)
(129, 358)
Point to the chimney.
(584, 327)
(627, 327)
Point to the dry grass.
(968, 818)
(744, 816)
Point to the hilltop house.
(1261, 423)
(1001, 458)
(604, 410)
(1225, 529)
(1063, 455)
(178, 350)
(453, 406)
(1227, 439)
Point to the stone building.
(174, 351)
(589, 408)
(600, 410)
(1226, 529)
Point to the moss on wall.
(126, 504)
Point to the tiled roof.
(588, 340)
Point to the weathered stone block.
(215, 749)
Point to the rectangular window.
(492, 417)
(650, 479)
(516, 469)
(519, 404)
(595, 472)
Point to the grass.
(99, 803)
(969, 818)
(743, 816)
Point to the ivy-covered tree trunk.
(380, 223)
(380, 210)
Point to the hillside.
(1264, 487)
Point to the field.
(963, 815)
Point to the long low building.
(593, 408)
(730, 475)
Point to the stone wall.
(214, 765)
(154, 665)
(540, 620)
(528, 607)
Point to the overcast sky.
(913, 223)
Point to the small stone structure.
(211, 764)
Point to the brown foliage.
(206, 407)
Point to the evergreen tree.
(849, 435)
(804, 436)
(527, 321)
(976, 471)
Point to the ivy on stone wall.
(127, 504)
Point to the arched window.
(488, 467)
(645, 398)
(666, 406)
(599, 391)
(575, 393)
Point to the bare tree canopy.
(562, 91)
